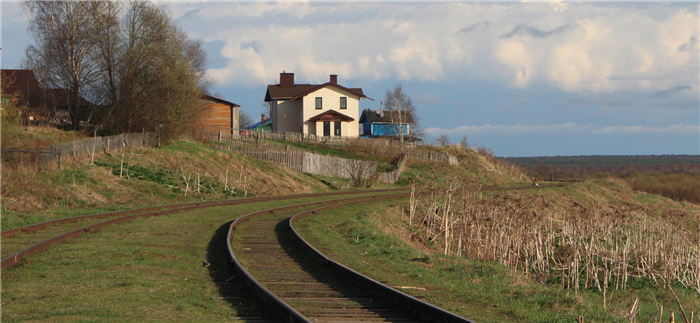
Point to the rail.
(17, 257)
(425, 310)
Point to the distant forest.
(598, 163)
(673, 176)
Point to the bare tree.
(401, 111)
(244, 121)
(129, 57)
(63, 57)
(362, 172)
(443, 140)
(11, 112)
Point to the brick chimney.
(334, 79)
(286, 79)
(262, 117)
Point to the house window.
(343, 103)
(336, 127)
(319, 103)
(326, 128)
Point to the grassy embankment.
(180, 172)
(378, 241)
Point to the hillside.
(179, 172)
(579, 245)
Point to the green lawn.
(147, 270)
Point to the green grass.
(147, 270)
(482, 291)
(383, 162)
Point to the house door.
(326, 128)
(336, 128)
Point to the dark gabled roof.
(19, 82)
(384, 116)
(218, 100)
(58, 97)
(331, 115)
(276, 92)
(23, 84)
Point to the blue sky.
(524, 79)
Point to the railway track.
(283, 270)
(302, 290)
(19, 243)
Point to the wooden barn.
(219, 115)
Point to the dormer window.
(319, 103)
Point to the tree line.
(602, 160)
(129, 58)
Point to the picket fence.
(299, 159)
(367, 146)
(53, 154)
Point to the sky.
(523, 79)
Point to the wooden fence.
(299, 159)
(367, 146)
(52, 155)
(393, 176)
(253, 143)
(338, 167)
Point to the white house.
(324, 110)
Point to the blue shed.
(379, 123)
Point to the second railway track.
(18, 243)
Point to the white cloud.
(519, 129)
(678, 129)
(576, 47)
(570, 127)
(582, 47)
(429, 98)
(515, 55)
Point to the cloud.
(516, 55)
(607, 47)
(680, 104)
(524, 30)
(678, 129)
(561, 129)
(479, 26)
(689, 46)
(429, 98)
(671, 91)
(510, 129)
(619, 99)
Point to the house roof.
(218, 100)
(19, 82)
(24, 83)
(262, 124)
(331, 115)
(276, 92)
(382, 116)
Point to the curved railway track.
(18, 243)
(287, 278)
(280, 268)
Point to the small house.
(324, 110)
(384, 123)
(218, 115)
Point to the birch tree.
(401, 112)
(63, 57)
